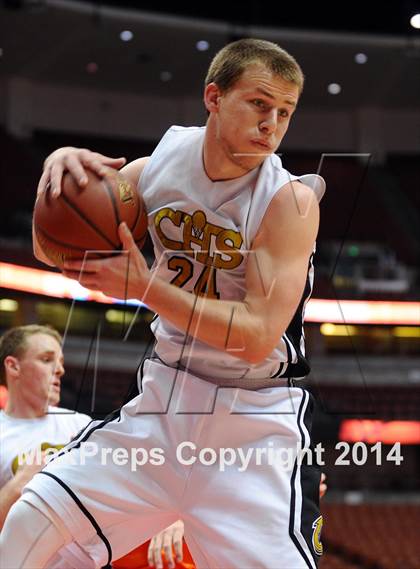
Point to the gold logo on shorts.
(316, 536)
(126, 192)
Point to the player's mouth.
(264, 145)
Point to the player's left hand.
(167, 541)
(124, 275)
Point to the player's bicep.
(274, 289)
(278, 262)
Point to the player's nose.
(59, 369)
(269, 124)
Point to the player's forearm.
(9, 494)
(225, 325)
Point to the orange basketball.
(86, 219)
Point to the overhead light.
(126, 35)
(334, 88)
(202, 45)
(360, 58)
(92, 67)
(166, 76)
(415, 21)
(8, 305)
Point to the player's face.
(40, 370)
(253, 116)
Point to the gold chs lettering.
(196, 230)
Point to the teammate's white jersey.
(20, 436)
(201, 232)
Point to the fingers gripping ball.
(87, 219)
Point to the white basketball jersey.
(202, 231)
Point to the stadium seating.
(371, 536)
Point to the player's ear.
(11, 366)
(212, 96)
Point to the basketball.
(87, 219)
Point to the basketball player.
(31, 366)
(230, 225)
(32, 424)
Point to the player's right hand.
(75, 161)
(168, 541)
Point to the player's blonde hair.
(230, 62)
(14, 342)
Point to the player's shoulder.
(303, 185)
(294, 210)
(175, 136)
(175, 146)
(180, 134)
(185, 129)
(294, 195)
(6, 420)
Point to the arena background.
(112, 76)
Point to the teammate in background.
(31, 367)
(232, 226)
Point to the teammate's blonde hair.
(14, 342)
(230, 62)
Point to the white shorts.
(251, 505)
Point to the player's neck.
(215, 162)
(20, 408)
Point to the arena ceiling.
(369, 16)
(63, 42)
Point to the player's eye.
(283, 113)
(259, 103)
